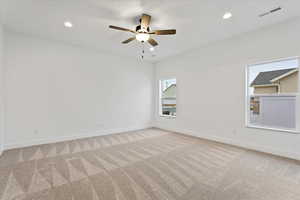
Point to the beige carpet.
(145, 165)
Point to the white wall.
(211, 89)
(56, 91)
(1, 90)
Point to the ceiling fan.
(143, 32)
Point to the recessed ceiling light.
(227, 15)
(68, 24)
(151, 48)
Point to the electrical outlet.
(99, 125)
(36, 132)
(234, 131)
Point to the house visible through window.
(272, 94)
(168, 97)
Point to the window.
(167, 97)
(272, 90)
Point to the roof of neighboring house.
(265, 78)
(170, 92)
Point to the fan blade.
(145, 21)
(152, 42)
(128, 40)
(164, 32)
(121, 29)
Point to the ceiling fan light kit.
(142, 37)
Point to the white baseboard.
(237, 143)
(246, 145)
(73, 137)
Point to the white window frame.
(160, 97)
(247, 99)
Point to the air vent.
(270, 12)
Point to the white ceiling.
(198, 22)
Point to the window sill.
(168, 116)
(274, 129)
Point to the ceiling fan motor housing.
(139, 29)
